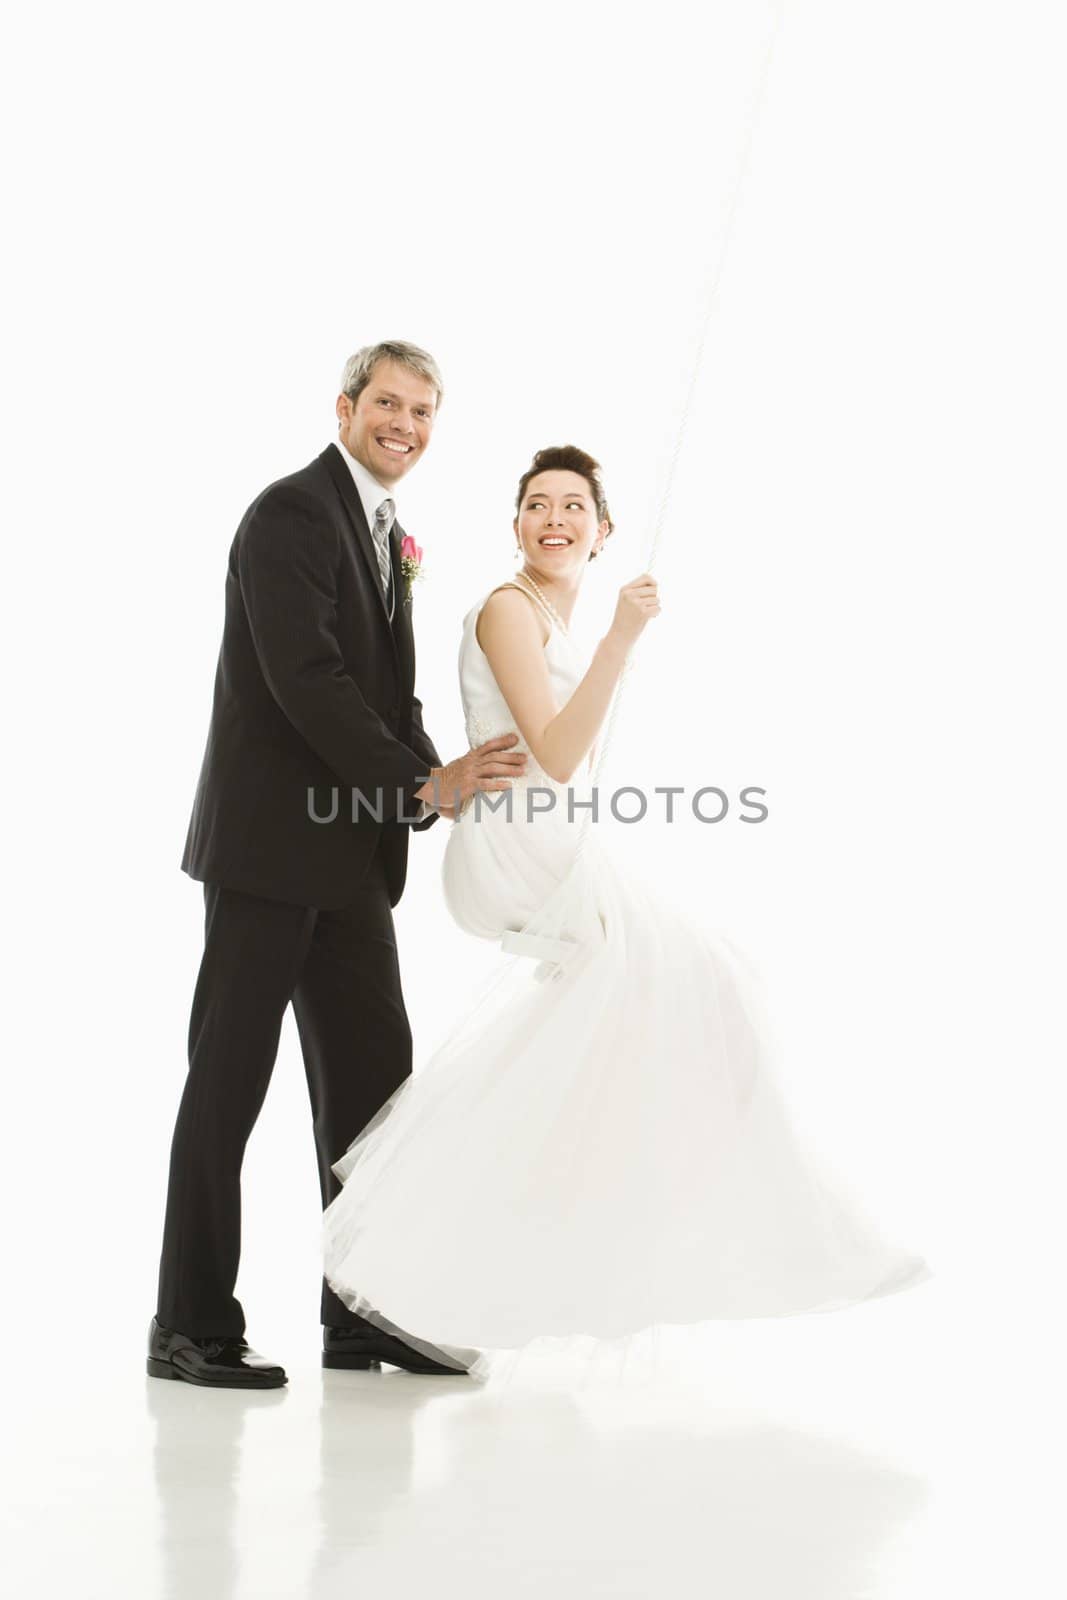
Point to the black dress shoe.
(222, 1363)
(360, 1349)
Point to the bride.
(599, 1146)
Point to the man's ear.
(343, 408)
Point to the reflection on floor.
(788, 1461)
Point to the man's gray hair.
(358, 368)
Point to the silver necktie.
(383, 527)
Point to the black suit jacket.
(315, 690)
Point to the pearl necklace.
(546, 602)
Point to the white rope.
(710, 302)
(540, 941)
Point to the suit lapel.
(402, 629)
(364, 539)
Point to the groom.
(314, 701)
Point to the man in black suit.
(317, 766)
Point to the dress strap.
(538, 602)
(510, 583)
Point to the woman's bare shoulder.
(507, 602)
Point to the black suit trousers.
(339, 969)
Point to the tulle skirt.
(599, 1146)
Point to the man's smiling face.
(389, 425)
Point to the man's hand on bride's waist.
(490, 767)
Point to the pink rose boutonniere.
(410, 563)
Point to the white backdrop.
(210, 208)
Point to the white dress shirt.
(371, 494)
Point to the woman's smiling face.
(556, 526)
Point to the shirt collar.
(371, 492)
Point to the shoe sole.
(166, 1369)
(367, 1363)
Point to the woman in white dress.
(599, 1146)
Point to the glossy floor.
(814, 1458)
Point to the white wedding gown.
(599, 1145)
